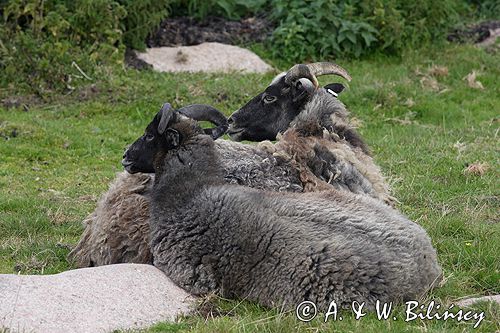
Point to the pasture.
(434, 132)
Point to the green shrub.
(37, 65)
(142, 18)
(320, 29)
(53, 45)
(488, 9)
(313, 29)
(232, 9)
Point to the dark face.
(269, 113)
(139, 156)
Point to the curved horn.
(203, 112)
(310, 71)
(307, 85)
(166, 114)
(326, 68)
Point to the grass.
(424, 126)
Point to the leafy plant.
(142, 17)
(232, 9)
(45, 44)
(319, 29)
(53, 45)
(315, 29)
(486, 9)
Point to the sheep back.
(283, 248)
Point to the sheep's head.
(272, 111)
(162, 134)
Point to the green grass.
(57, 158)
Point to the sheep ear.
(173, 137)
(166, 114)
(334, 88)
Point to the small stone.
(471, 301)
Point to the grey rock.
(206, 57)
(100, 299)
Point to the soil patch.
(177, 31)
(476, 33)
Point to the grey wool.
(279, 249)
(328, 151)
(107, 239)
(314, 154)
(118, 230)
(318, 149)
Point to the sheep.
(277, 249)
(118, 230)
(313, 129)
(106, 239)
(297, 163)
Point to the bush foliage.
(142, 18)
(232, 9)
(48, 45)
(322, 29)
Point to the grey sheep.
(313, 131)
(118, 230)
(320, 151)
(277, 249)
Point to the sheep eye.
(149, 137)
(269, 99)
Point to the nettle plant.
(232, 9)
(317, 29)
(322, 29)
